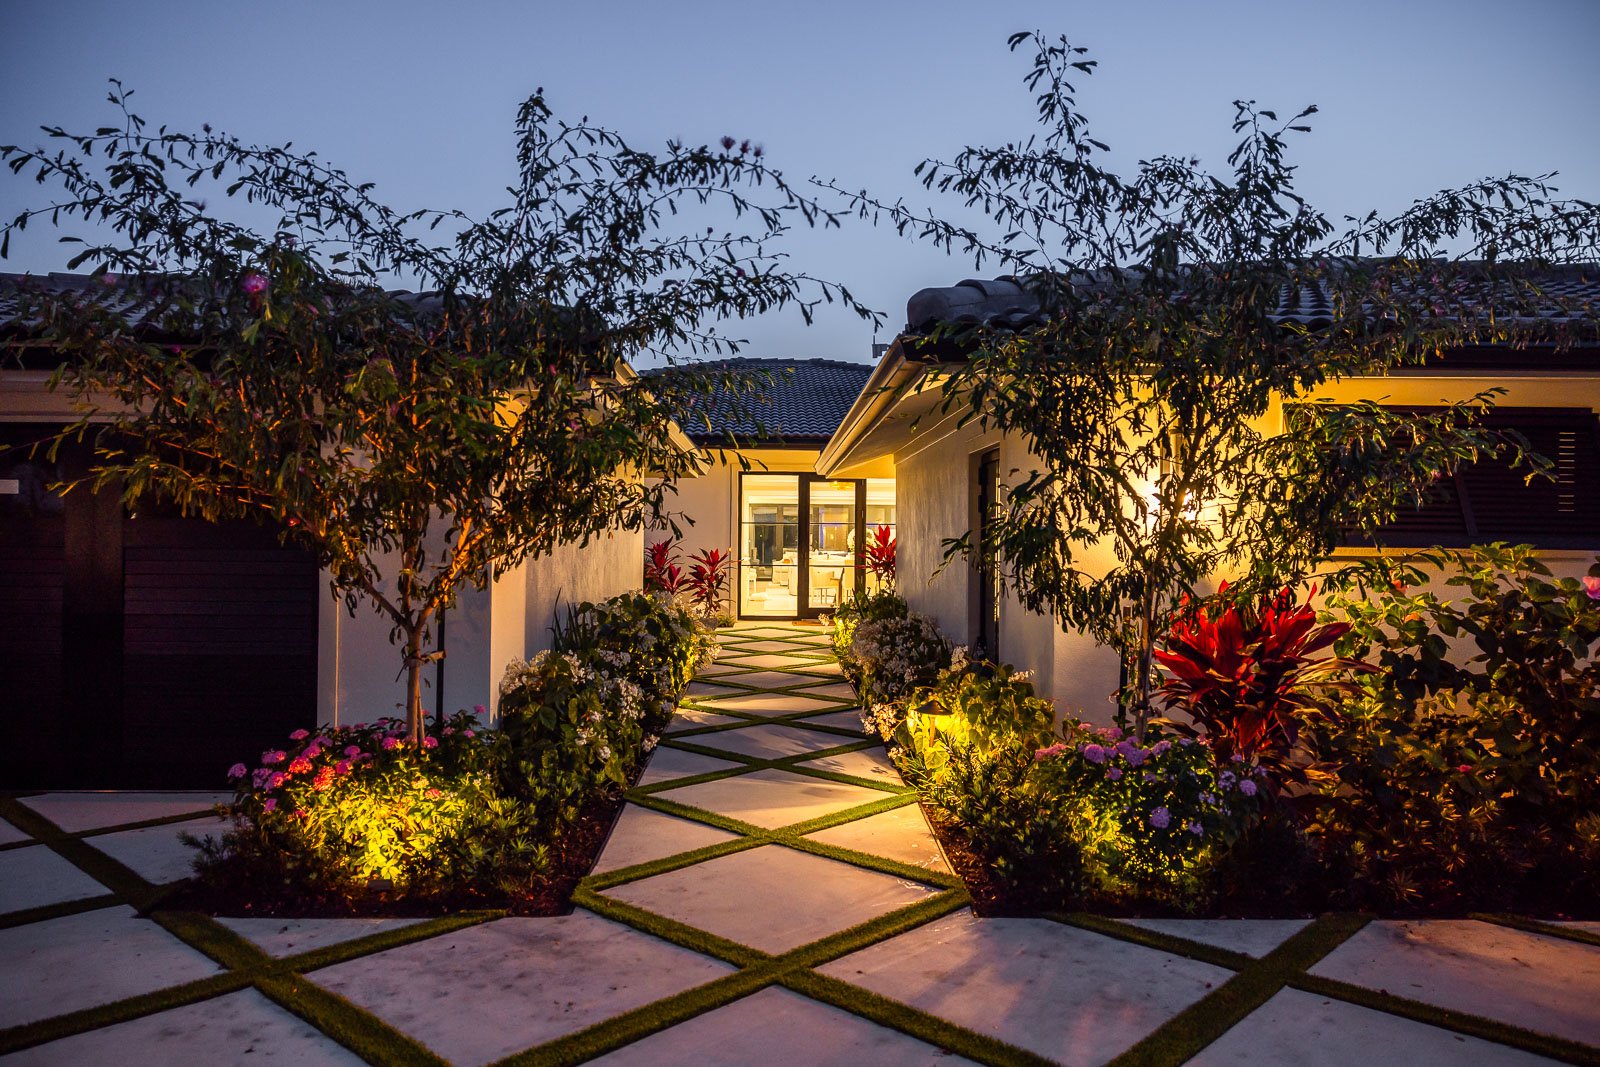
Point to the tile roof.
(1553, 294)
(804, 402)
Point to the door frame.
(804, 481)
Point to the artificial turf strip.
(1534, 926)
(869, 933)
(329, 955)
(100, 1016)
(355, 1028)
(1540, 1044)
(58, 910)
(667, 864)
(938, 1032)
(1192, 1029)
(670, 930)
(1138, 935)
(102, 868)
(631, 1026)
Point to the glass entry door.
(800, 541)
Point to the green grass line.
(1156, 939)
(351, 1026)
(652, 1018)
(941, 1033)
(58, 910)
(871, 861)
(27, 1035)
(1192, 1029)
(329, 955)
(1541, 1044)
(1534, 926)
(873, 931)
(671, 930)
(667, 864)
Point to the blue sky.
(1415, 95)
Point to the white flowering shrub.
(656, 642)
(896, 656)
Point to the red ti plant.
(1248, 678)
(878, 556)
(708, 578)
(661, 571)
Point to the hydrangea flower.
(1247, 787)
(1094, 753)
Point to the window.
(1489, 501)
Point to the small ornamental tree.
(1148, 385)
(413, 442)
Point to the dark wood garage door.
(144, 651)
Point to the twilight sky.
(1415, 95)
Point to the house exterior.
(764, 509)
(144, 649)
(947, 476)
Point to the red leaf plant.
(661, 571)
(708, 578)
(1249, 678)
(878, 557)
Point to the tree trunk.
(416, 726)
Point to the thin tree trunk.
(415, 725)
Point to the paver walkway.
(771, 895)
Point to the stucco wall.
(933, 497)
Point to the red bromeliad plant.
(878, 556)
(661, 571)
(1249, 678)
(708, 578)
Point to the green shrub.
(652, 641)
(1471, 780)
(862, 607)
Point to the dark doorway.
(986, 606)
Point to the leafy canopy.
(1167, 404)
(415, 442)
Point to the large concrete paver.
(10, 835)
(770, 741)
(76, 812)
(1066, 994)
(869, 763)
(157, 853)
(79, 961)
(669, 763)
(290, 937)
(900, 834)
(482, 993)
(772, 798)
(1311, 1031)
(1528, 980)
(771, 898)
(34, 876)
(778, 1028)
(1251, 937)
(240, 1028)
(642, 835)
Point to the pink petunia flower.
(1161, 818)
(430, 742)
(1591, 585)
(270, 805)
(352, 751)
(343, 766)
(469, 733)
(1464, 769)
(479, 709)
(238, 770)
(391, 742)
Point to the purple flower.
(253, 283)
(272, 757)
(1247, 787)
(1113, 773)
(430, 742)
(270, 805)
(259, 779)
(300, 735)
(352, 751)
(1159, 747)
(1135, 755)
(390, 743)
(1049, 752)
(1196, 829)
(276, 780)
(238, 770)
(1161, 818)
(1094, 753)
